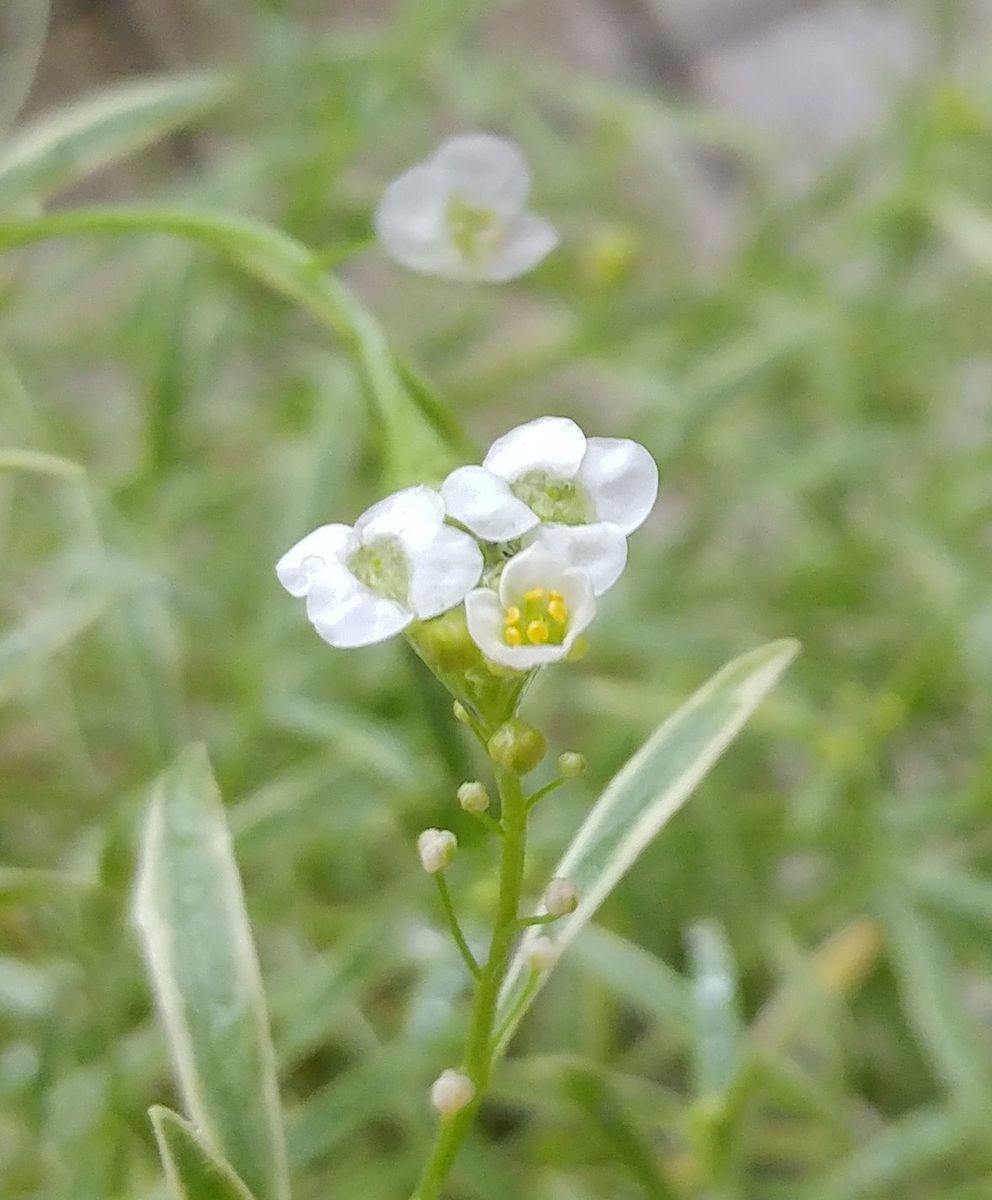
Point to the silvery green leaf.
(717, 1020)
(642, 798)
(190, 911)
(192, 1170)
(61, 147)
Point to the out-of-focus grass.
(819, 404)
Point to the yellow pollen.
(512, 615)
(512, 635)
(534, 595)
(558, 610)
(538, 632)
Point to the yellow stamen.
(534, 595)
(512, 615)
(512, 635)
(538, 632)
(558, 610)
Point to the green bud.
(445, 642)
(571, 765)
(473, 797)
(517, 747)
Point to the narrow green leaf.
(643, 797)
(635, 974)
(46, 632)
(27, 885)
(193, 1171)
(422, 441)
(190, 910)
(23, 25)
(717, 1020)
(39, 463)
(62, 147)
(931, 998)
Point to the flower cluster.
(527, 542)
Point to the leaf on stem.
(190, 910)
(643, 797)
(192, 1170)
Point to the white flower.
(399, 563)
(547, 483)
(462, 213)
(451, 1092)
(540, 609)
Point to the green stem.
(478, 1057)
(456, 929)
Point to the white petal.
(484, 503)
(600, 550)
(486, 171)
(346, 614)
(442, 573)
(299, 565)
(525, 241)
(621, 479)
(411, 221)
(553, 444)
(484, 616)
(413, 515)
(535, 567)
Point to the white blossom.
(437, 849)
(451, 1092)
(533, 619)
(399, 562)
(547, 483)
(462, 214)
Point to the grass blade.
(23, 25)
(644, 796)
(718, 1023)
(190, 910)
(38, 462)
(193, 1172)
(62, 147)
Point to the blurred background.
(777, 238)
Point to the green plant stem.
(546, 790)
(456, 930)
(479, 1046)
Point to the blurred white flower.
(399, 563)
(541, 607)
(547, 483)
(561, 897)
(451, 1092)
(437, 849)
(462, 214)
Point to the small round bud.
(437, 849)
(461, 712)
(445, 642)
(571, 765)
(473, 797)
(561, 898)
(451, 1092)
(542, 954)
(517, 747)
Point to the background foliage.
(818, 399)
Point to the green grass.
(819, 405)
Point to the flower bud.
(561, 897)
(445, 643)
(437, 849)
(542, 954)
(451, 1092)
(473, 797)
(571, 765)
(517, 747)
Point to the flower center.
(552, 499)
(472, 229)
(541, 619)
(382, 565)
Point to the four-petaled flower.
(547, 483)
(537, 613)
(399, 563)
(462, 214)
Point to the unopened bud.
(542, 954)
(451, 1092)
(445, 642)
(473, 797)
(437, 849)
(561, 897)
(517, 747)
(571, 765)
